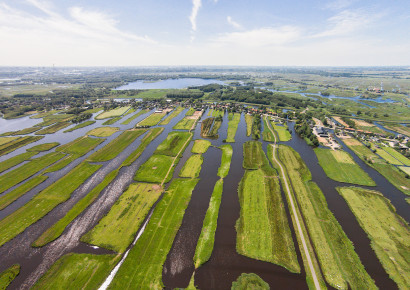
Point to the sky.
(204, 32)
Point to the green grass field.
(116, 146)
(405, 169)
(133, 117)
(5, 140)
(249, 281)
(216, 113)
(190, 112)
(43, 147)
(112, 120)
(172, 115)
(58, 228)
(397, 155)
(142, 269)
(27, 170)
(386, 156)
(282, 132)
(44, 202)
(103, 131)
(254, 157)
(340, 166)
(77, 271)
(117, 229)
(61, 164)
(53, 128)
(16, 160)
(155, 169)
(151, 120)
(249, 121)
(112, 113)
(267, 135)
(232, 127)
(6, 277)
(200, 146)
(339, 262)
(227, 152)
(21, 132)
(263, 231)
(206, 240)
(185, 124)
(389, 233)
(79, 126)
(192, 166)
(17, 143)
(174, 142)
(80, 146)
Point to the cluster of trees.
(82, 117)
(185, 95)
(303, 129)
(256, 127)
(208, 88)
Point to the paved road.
(302, 237)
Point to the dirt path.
(302, 237)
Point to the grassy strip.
(16, 144)
(61, 164)
(151, 120)
(58, 228)
(103, 131)
(254, 157)
(7, 199)
(263, 231)
(13, 161)
(133, 117)
(171, 116)
(249, 121)
(112, 113)
(112, 120)
(216, 113)
(142, 269)
(8, 276)
(5, 140)
(389, 233)
(190, 112)
(117, 229)
(116, 146)
(80, 146)
(44, 202)
(249, 281)
(23, 131)
(53, 128)
(27, 170)
(233, 126)
(267, 134)
(339, 262)
(340, 166)
(173, 143)
(206, 240)
(79, 126)
(200, 146)
(185, 124)
(77, 271)
(227, 152)
(155, 169)
(148, 138)
(282, 131)
(192, 166)
(405, 169)
(43, 147)
(397, 155)
(386, 156)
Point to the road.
(296, 218)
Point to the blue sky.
(204, 32)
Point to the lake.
(169, 84)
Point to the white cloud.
(339, 4)
(196, 4)
(233, 23)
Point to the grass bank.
(103, 131)
(43, 147)
(151, 120)
(7, 276)
(227, 152)
(112, 113)
(171, 116)
(16, 160)
(249, 281)
(17, 143)
(200, 146)
(133, 117)
(79, 126)
(174, 142)
(192, 166)
(232, 126)
(53, 128)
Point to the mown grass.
(7, 276)
(192, 166)
(155, 169)
(43, 147)
(53, 128)
(254, 157)
(77, 271)
(58, 228)
(5, 140)
(16, 160)
(227, 152)
(112, 113)
(397, 155)
(389, 233)
(27, 170)
(282, 131)
(267, 135)
(174, 142)
(249, 281)
(117, 229)
(79, 126)
(171, 116)
(116, 146)
(206, 240)
(112, 121)
(249, 121)
(133, 117)
(103, 131)
(7, 199)
(263, 231)
(340, 166)
(386, 156)
(44, 202)
(185, 124)
(405, 169)
(142, 269)
(80, 146)
(17, 143)
(151, 120)
(200, 146)
(233, 127)
(61, 164)
(339, 262)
